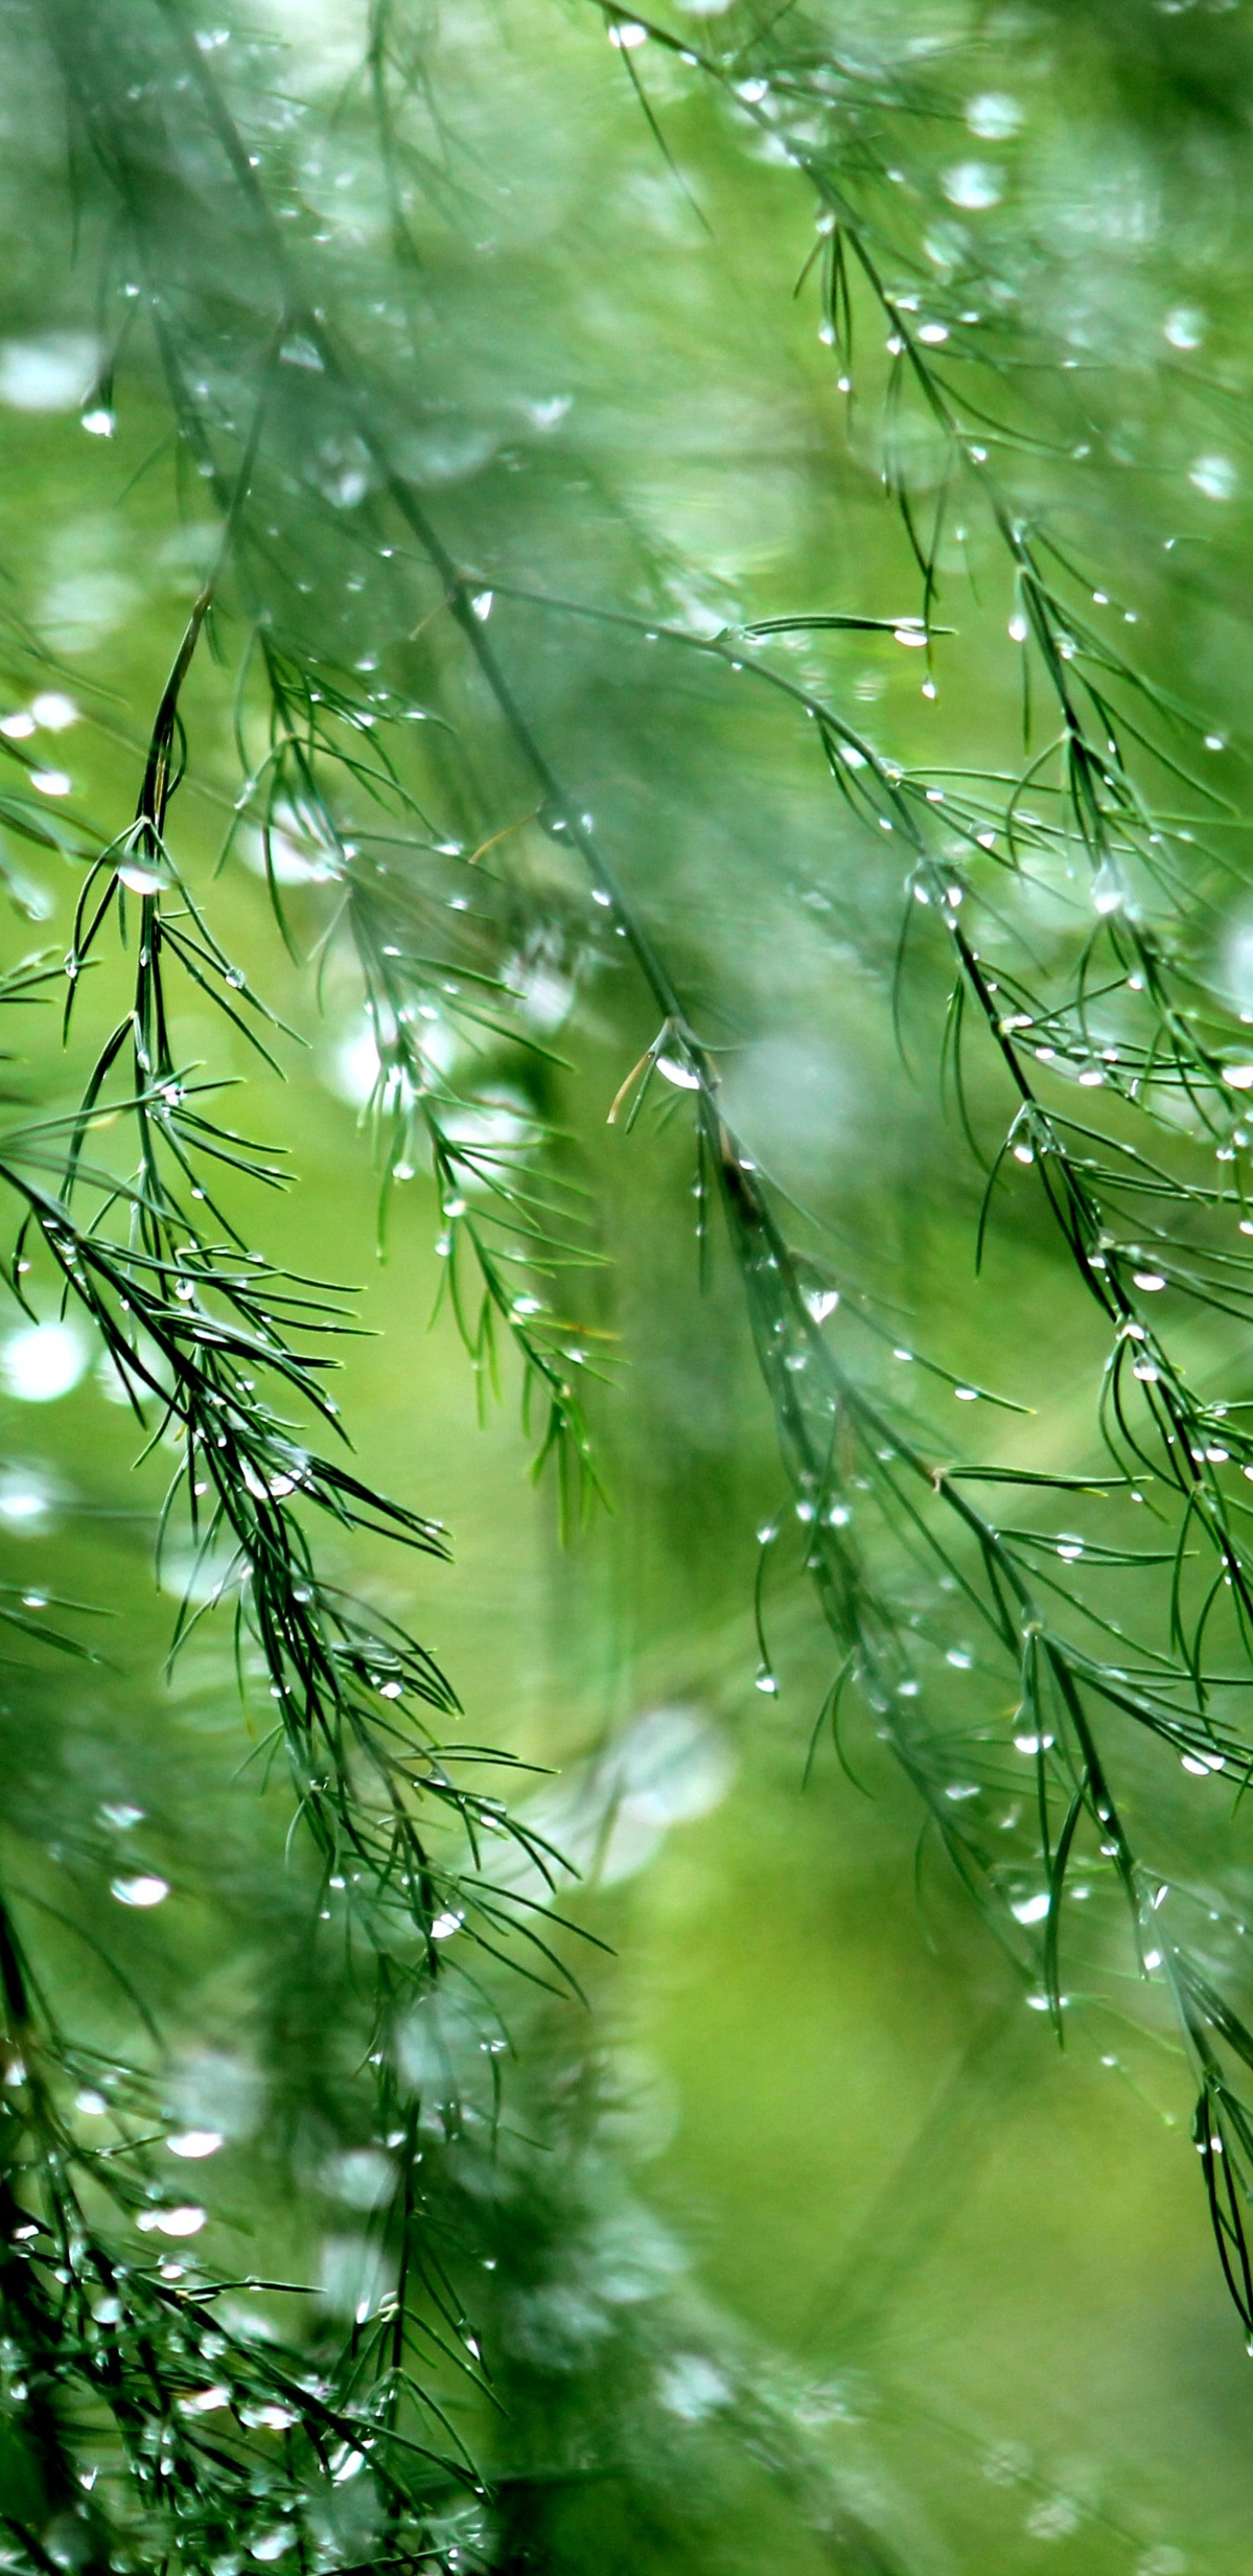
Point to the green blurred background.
(804, 2193)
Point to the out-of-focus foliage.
(650, 611)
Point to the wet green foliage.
(554, 696)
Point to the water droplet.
(994, 116)
(204, 2401)
(41, 1362)
(53, 710)
(184, 2221)
(681, 1075)
(1215, 476)
(273, 2543)
(1184, 327)
(973, 185)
